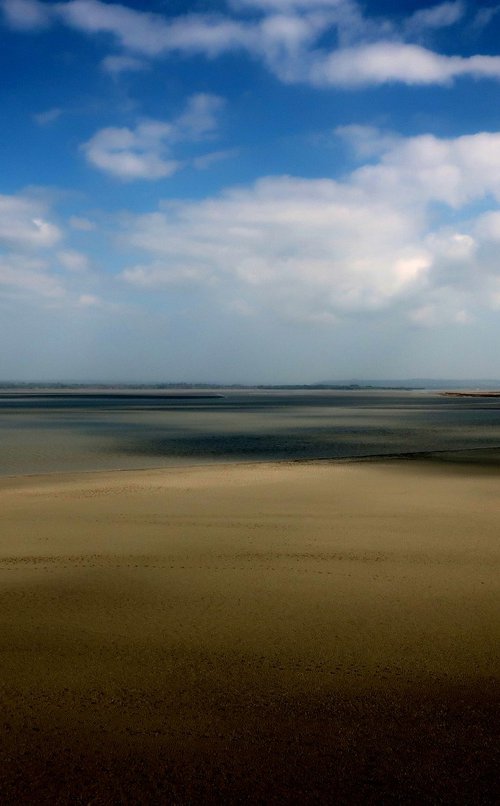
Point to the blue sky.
(256, 191)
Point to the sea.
(48, 432)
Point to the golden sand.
(287, 633)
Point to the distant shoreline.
(118, 394)
(202, 391)
(353, 383)
(478, 393)
(73, 389)
(485, 457)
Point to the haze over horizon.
(250, 191)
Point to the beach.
(270, 632)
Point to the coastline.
(283, 631)
(478, 455)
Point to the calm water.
(43, 434)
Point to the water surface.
(43, 433)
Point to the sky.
(249, 191)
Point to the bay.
(84, 431)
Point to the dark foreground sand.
(322, 633)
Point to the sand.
(268, 633)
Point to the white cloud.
(304, 247)
(452, 246)
(23, 224)
(34, 253)
(316, 250)
(90, 301)
(26, 15)
(290, 5)
(488, 226)
(386, 62)
(284, 34)
(145, 152)
(439, 16)
(132, 154)
(401, 233)
(81, 224)
(135, 30)
(437, 314)
(367, 141)
(484, 16)
(151, 34)
(30, 276)
(420, 169)
(213, 157)
(199, 118)
(115, 65)
(163, 275)
(73, 261)
(47, 117)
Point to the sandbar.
(256, 633)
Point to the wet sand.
(287, 633)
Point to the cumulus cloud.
(390, 62)
(440, 311)
(284, 34)
(145, 151)
(316, 250)
(23, 224)
(132, 154)
(199, 117)
(292, 243)
(426, 168)
(73, 261)
(29, 276)
(35, 261)
(367, 141)
(488, 226)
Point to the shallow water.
(50, 433)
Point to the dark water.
(48, 433)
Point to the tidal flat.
(239, 633)
(53, 432)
